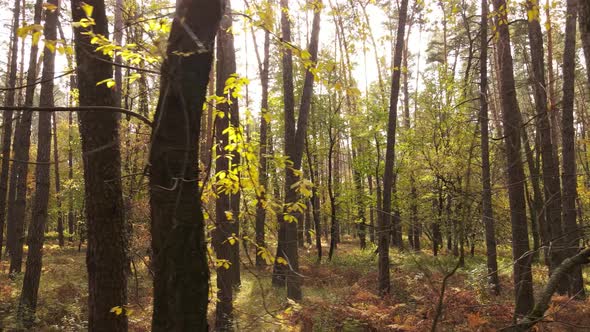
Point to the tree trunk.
(71, 213)
(17, 192)
(315, 199)
(552, 107)
(227, 205)
(60, 220)
(181, 274)
(106, 254)
(551, 230)
(385, 226)
(568, 135)
(332, 177)
(523, 284)
(294, 145)
(36, 235)
(7, 122)
(263, 168)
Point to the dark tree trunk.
(332, 177)
(58, 199)
(523, 283)
(385, 225)
(17, 191)
(536, 207)
(9, 100)
(361, 218)
(568, 135)
(71, 213)
(550, 228)
(72, 85)
(36, 235)
(106, 254)
(263, 168)
(315, 199)
(294, 145)
(181, 274)
(371, 211)
(227, 204)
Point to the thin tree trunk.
(58, 199)
(523, 284)
(551, 229)
(315, 199)
(264, 133)
(385, 226)
(568, 135)
(36, 236)
(552, 108)
(106, 254)
(17, 192)
(72, 85)
(227, 208)
(7, 121)
(294, 145)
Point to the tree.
(523, 283)
(295, 133)
(36, 236)
(227, 204)
(7, 119)
(58, 199)
(17, 190)
(486, 199)
(264, 140)
(179, 251)
(388, 174)
(106, 253)
(550, 170)
(568, 136)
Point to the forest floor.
(339, 295)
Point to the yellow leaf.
(117, 310)
(229, 215)
(50, 46)
(36, 37)
(87, 9)
(49, 6)
(281, 260)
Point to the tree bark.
(36, 235)
(227, 204)
(106, 253)
(486, 199)
(523, 284)
(552, 229)
(263, 167)
(315, 199)
(17, 191)
(7, 118)
(58, 198)
(181, 274)
(385, 226)
(568, 136)
(294, 145)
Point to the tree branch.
(79, 109)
